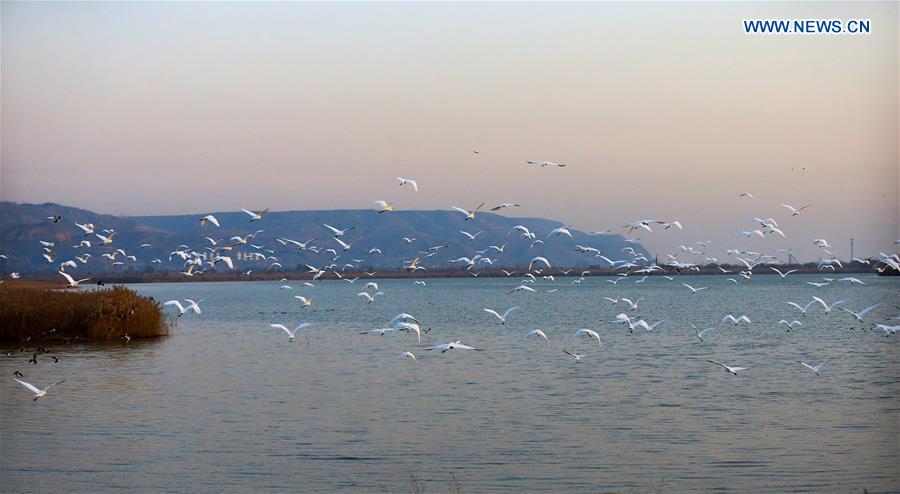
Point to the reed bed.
(99, 314)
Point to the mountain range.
(24, 226)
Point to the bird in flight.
(732, 370)
(292, 333)
(499, 316)
(543, 163)
(470, 215)
(254, 216)
(404, 181)
(795, 211)
(813, 368)
(38, 393)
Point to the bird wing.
(508, 311)
(67, 277)
(866, 310)
(54, 384)
(414, 184)
(492, 311)
(461, 210)
(251, 213)
(175, 303)
(29, 386)
(282, 326)
(194, 305)
(718, 363)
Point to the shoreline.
(52, 281)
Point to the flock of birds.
(629, 265)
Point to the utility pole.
(851, 249)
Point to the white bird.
(543, 163)
(38, 393)
(369, 298)
(821, 242)
(695, 290)
(826, 306)
(209, 219)
(633, 305)
(72, 281)
(470, 215)
(791, 324)
(576, 356)
(345, 245)
(419, 282)
(794, 211)
(804, 308)
(590, 334)
(733, 370)
(853, 281)
(458, 344)
(372, 285)
(305, 302)
(87, 228)
(471, 236)
(404, 181)
(537, 333)
(538, 259)
(403, 316)
(384, 206)
(783, 275)
(746, 194)
(563, 230)
(182, 310)
(734, 320)
(504, 205)
(290, 333)
(255, 216)
(701, 333)
(501, 317)
(813, 368)
(522, 288)
(859, 315)
(337, 232)
(524, 229)
(408, 355)
(105, 240)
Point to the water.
(227, 404)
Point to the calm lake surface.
(228, 404)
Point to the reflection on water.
(227, 404)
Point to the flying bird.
(38, 393)
(537, 333)
(499, 316)
(292, 333)
(794, 211)
(543, 163)
(732, 370)
(255, 216)
(470, 215)
(404, 181)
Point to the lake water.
(228, 404)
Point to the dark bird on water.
(33, 359)
(18, 374)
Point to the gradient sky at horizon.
(659, 110)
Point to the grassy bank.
(44, 314)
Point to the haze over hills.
(25, 225)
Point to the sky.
(659, 110)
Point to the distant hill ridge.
(25, 225)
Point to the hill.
(25, 225)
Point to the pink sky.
(662, 111)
